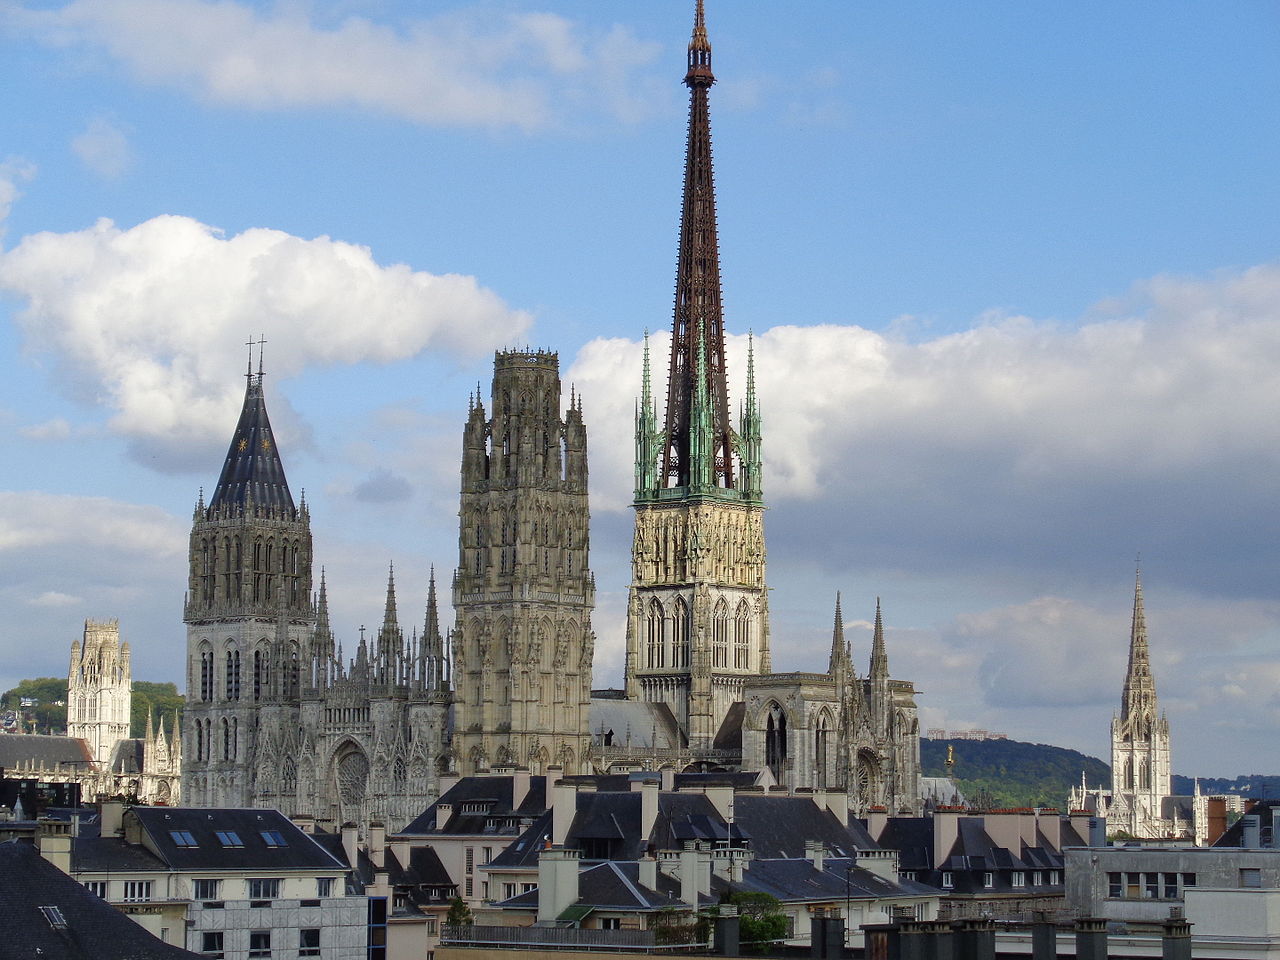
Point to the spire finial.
(262, 341)
(839, 650)
(249, 367)
(699, 51)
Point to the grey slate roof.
(126, 757)
(94, 929)
(19, 751)
(299, 851)
(498, 818)
(779, 826)
(253, 469)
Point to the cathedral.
(278, 717)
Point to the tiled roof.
(19, 751)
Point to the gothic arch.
(720, 634)
(655, 635)
(823, 748)
(868, 778)
(775, 739)
(350, 768)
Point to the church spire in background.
(879, 659)
(1139, 685)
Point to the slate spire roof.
(253, 470)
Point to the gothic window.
(352, 776)
(656, 655)
(233, 675)
(775, 741)
(259, 673)
(720, 635)
(1128, 774)
(399, 774)
(294, 671)
(742, 637)
(289, 776)
(236, 569)
(206, 674)
(1144, 771)
(199, 740)
(235, 738)
(680, 634)
(820, 745)
(226, 739)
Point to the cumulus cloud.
(103, 148)
(465, 68)
(383, 486)
(147, 320)
(1153, 425)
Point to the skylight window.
(273, 838)
(229, 838)
(183, 838)
(55, 917)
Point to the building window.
(1115, 885)
(1250, 877)
(1055, 878)
(273, 838)
(1019, 879)
(1151, 886)
(948, 881)
(309, 943)
(1037, 878)
(488, 855)
(610, 923)
(324, 886)
(260, 943)
(183, 838)
(908, 875)
(211, 943)
(97, 887)
(1171, 886)
(208, 889)
(137, 891)
(1188, 879)
(54, 917)
(484, 890)
(508, 891)
(471, 860)
(988, 880)
(470, 887)
(264, 889)
(528, 887)
(229, 838)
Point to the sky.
(1012, 270)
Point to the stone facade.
(523, 591)
(276, 716)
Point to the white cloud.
(54, 598)
(466, 68)
(56, 429)
(13, 171)
(148, 320)
(103, 148)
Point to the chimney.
(564, 805)
(443, 812)
(1097, 831)
(378, 844)
(648, 806)
(877, 820)
(837, 802)
(519, 786)
(554, 773)
(350, 844)
(402, 852)
(721, 797)
(557, 881)
(668, 779)
(1051, 826)
(111, 812)
(945, 828)
(1252, 835)
(1004, 829)
(447, 782)
(648, 873)
(815, 852)
(54, 839)
(689, 874)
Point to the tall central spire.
(699, 323)
(1139, 685)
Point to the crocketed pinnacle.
(879, 659)
(839, 649)
(253, 470)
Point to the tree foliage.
(162, 698)
(761, 922)
(459, 914)
(49, 715)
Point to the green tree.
(459, 914)
(163, 699)
(50, 712)
(761, 922)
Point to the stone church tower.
(1140, 767)
(276, 716)
(697, 618)
(248, 611)
(99, 689)
(523, 591)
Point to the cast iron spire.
(699, 323)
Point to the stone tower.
(1140, 768)
(697, 618)
(249, 613)
(523, 591)
(99, 689)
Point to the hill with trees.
(1011, 773)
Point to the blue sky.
(1012, 270)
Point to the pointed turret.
(750, 458)
(386, 654)
(253, 472)
(431, 668)
(839, 648)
